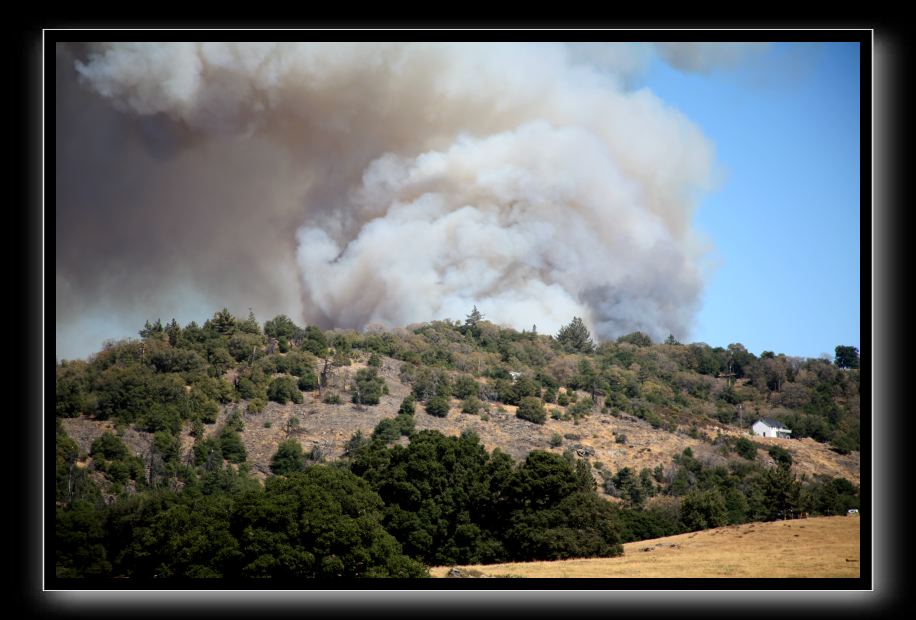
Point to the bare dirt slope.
(328, 427)
(816, 547)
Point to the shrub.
(332, 399)
(780, 455)
(367, 387)
(563, 400)
(390, 429)
(109, 447)
(437, 406)
(465, 387)
(471, 405)
(232, 447)
(746, 448)
(284, 389)
(556, 440)
(532, 409)
(308, 382)
(288, 458)
(408, 405)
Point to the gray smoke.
(349, 184)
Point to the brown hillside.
(330, 426)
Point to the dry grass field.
(815, 547)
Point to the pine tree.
(575, 337)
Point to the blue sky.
(785, 219)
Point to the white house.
(766, 427)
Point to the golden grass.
(816, 547)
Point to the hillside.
(821, 547)
(329, 427)
(442, 443)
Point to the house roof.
(773, 423)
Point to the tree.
(746, 448)
(437, 406)
(281, 326)
(471, 323)
(283, 390)
(781, 491)
(408, 405)
(223, 322)
(847, 357)
(575, 337)
(288, 458)
(638, 338)
(367, 387)
(702, 510)
(532, 409)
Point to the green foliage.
(390, 429)
(288, 458)
(283, 390)
(110, 447)
(314, 341)
(408, 405)
(782, 456)
(367, 387)
(846, 357)
(532, 409)
(222, 322)
(332, 399)
(430, 383)
(575, 337)
(637, 338)
(308, 382)
(437, 406)
(703, 510)
(471, 405)
(245, 346)
(231, 446)
(72, 389)
(746, 448)
(465, 386)
(281, 326)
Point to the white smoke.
(520, 178)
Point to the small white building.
(766, 427)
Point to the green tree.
(575, 337)
(367, 387)
(532, 409)
(223, 322)
(232, 447)
(702, 510)
(408, 405)
(288, 458)
(846, 357)
(638, 338)
(437, 406)
(746, 448)
(283, 390)
(281, 326)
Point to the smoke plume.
(349, 184)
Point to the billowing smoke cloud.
(375, 183)
(707, 57)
